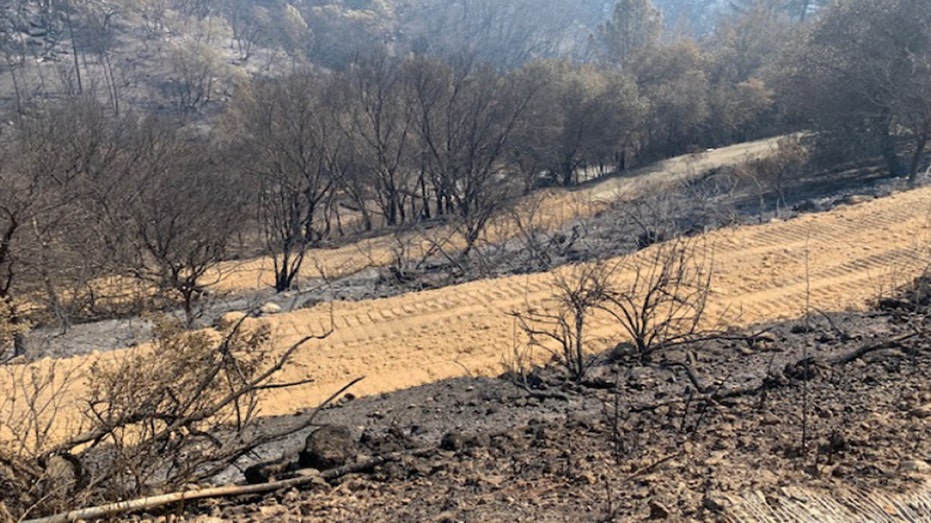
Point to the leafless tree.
(250, 24)
(44, 163)
(505, 34)
(195, 71)
(181, 216)
(379, 125)
(286, 127)
(466, 115)
(582, 120)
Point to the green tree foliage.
(862, 75)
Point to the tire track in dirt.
(853, 253)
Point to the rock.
(291, 496)
(314, 474)
(227, 320)
(770, 419)
(393, 440)
(452, 441)
(715, 503)
(313, 301)
(272, 512)
(270, 308)
(915, 466)
(922, 412)
(658, 511)
(447, 517)
(600, 377)
(855, 199)
(807, 206)
(803, 370)
(328, 447)
(587, 478)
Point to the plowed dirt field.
(840, 259)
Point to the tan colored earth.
(839, 260)
(850, 256)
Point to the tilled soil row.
(839, 260)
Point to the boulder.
(268, 471)
(452, 441)
(922, 412)
(658, 510)
(270, 308)
(855, 199)
(328, 447)
(915, 466)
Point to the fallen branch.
(893, 343)
(148, 503)
(707, 395)
(651, 466)
(689, 373)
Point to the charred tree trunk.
(921, 143)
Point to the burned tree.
(180, 215)
(379, 126)
(466, 115)
(286, 130)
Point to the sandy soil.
(840, 259)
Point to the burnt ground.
(633, 442)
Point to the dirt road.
(840, 260)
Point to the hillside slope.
(842, 258)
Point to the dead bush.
(661, 299)
(578, 292)
(658, 300)
(154, 420)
